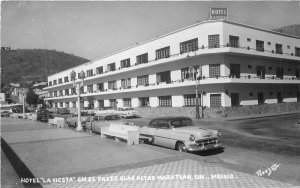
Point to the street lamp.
(195, 75)
(23, 96)
(81, 76)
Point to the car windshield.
(181, 123)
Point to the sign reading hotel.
(218, 13)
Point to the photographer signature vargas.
(268, 170)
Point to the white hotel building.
(236, 65)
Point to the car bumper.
(196, 147)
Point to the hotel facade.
(231, 64)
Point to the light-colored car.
(105, 110)
(73, 120)
(126, 112)
(179, 133)
(95, 123)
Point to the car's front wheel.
(181, 147)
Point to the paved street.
(63, 153)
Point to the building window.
(127, 102)
(50, 83)
(142, 58)
(260, 72)
(213, 41)
(60, 81)
(235, 70)
(112, 102)
(190, 100)
(278, 48)
(55, 93)
(125, 63)
(144, 101)
(234, 41)
(67, 104)
(111, 67)
(66, 91)
(61, 104)
(214, 70)
(100, 86)
(163, 77)
(126, 83)
(189, 46)
(99, 70)
(101, 103)
(288, 47)
(112, 85)
(73, 91)
(90, 88)
(259, 45)
(74, 104)
(235, 99)
(279, 72)
(60, 92)
(66, 79)
(89, 73)
(163, 53)
(215, 100)
(297, 51)
(185, 73)
(165, 101)
(143, 80)
(81, 90)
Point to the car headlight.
(219, 133)
(192, 138)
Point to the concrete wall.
(221, 112)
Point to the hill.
(34, 64)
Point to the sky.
(93, 29)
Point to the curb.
(20, 168)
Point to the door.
(235, 100)
(235, 70)
(260, 98)
(260, 72)
(279, 97)
(162, 133)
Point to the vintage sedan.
(73, 119)
(179, 133)
(126, 112)
(95, 123)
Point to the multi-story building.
(235, 64)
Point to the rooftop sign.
(218, 13)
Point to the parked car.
(179, 133)
(44, 115)
(5, 113)
(103, 110)
(73, 119)
(126, 112)
(88, 110)
(95, 123)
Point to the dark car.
(44, 115)
(5, 113)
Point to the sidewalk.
(57, 157)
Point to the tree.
(32, 98)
